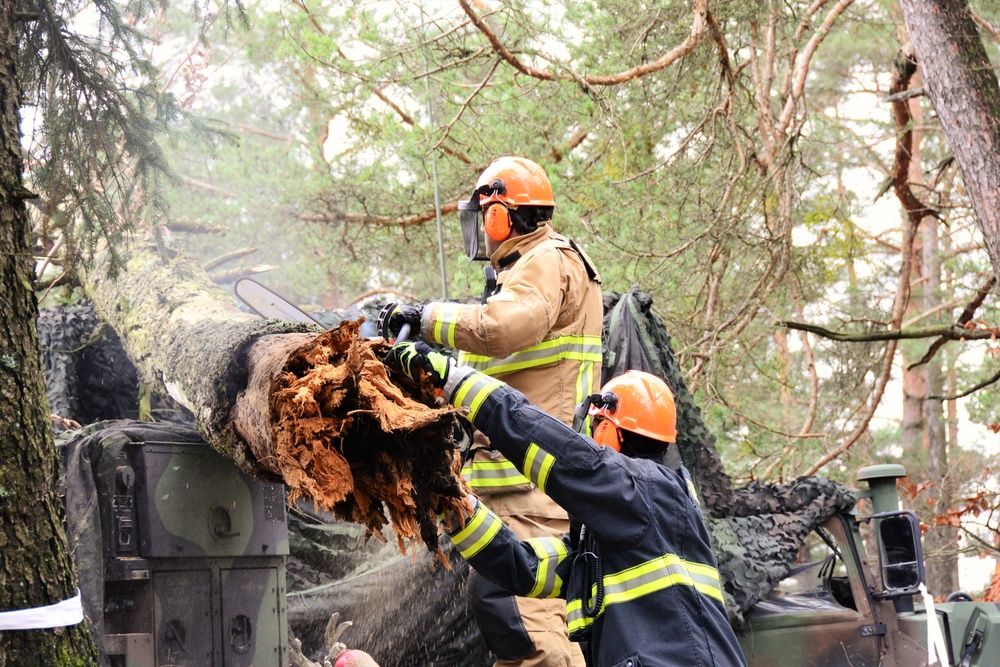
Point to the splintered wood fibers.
(361, 440)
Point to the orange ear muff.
(496, 222)
(607, 434)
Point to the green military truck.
(851, 606)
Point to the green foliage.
(95, 112)
(670, 180)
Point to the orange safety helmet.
(638, 402)
(509, 182)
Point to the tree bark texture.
(35, 565)
(966, 95)
(188, 340)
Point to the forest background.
(737, 165)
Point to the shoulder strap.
(591, 271)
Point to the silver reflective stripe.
(493, 474)
(473, 392)
(652, 576)
(537, 464)
(550, 552)
(444, 320)
(551, 351)
(481, 529)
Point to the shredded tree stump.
(358, 442)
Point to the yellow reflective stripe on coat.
(493, 474)
(473, 391)
(652, 576)
(537, 464)
(482, 527)
(551, 351)
(550, 551)
(444, 321)
(584, 387)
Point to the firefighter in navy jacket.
(638, 576)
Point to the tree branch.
(963, 320)
(697, 28)
(387, 220)
(985, 383)
(949, 331)
(228, 257)
(802, 68)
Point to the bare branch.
(697, 28)
(467, 102)
(948, 331)
(802, 68)
(228, 257)
(986, 25)
(408, 119)
(381, 290)
(963, 320)
(201, 185)
(382, 220)
(985, 383)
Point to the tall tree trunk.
(941, 541)
(35, 566)
(963, 87)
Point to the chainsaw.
(267, 303)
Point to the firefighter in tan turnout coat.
(539, 330)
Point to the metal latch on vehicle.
(873, 630)
(974, 637)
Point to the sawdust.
(361, 443)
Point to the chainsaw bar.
(268, 303)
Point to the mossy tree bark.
(35, 565)
(963, 87)
(189, 341)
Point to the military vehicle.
(181, 557)
(849, 607)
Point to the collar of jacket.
(520, 245)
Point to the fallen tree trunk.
(284, 401)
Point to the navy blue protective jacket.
(640, 581)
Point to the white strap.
(60, 614)
(937, 650)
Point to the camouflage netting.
(355, 442)
(87, 373)
(757, 530)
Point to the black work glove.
(392, 318)
(409, 356)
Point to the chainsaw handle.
(404, 333)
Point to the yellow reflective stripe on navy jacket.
(482, 527)
(550, 551)
(655, 575)
(473, 391)
(503, 473)
(492, 474)
(588, 350)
